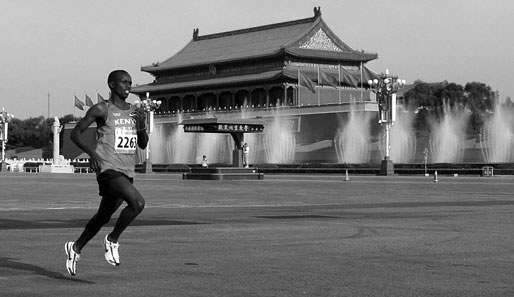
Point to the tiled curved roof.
(229, 47)
(258, 42)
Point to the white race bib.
(125, 141)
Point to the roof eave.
(332, 55)
(155, 69)
(210, 82)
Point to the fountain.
(497, 136)
(403, 144)
(236, 128)
(448, 136)
(173, 146)
(446, 142)
(179, 144)
(352, 140)
(217, 147)
(279, 142)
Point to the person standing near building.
(205, 164)
(121, 127)
(246, 151)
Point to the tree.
(34, 132)
(420, 96)
(480, 96)
(451, 94)
(425, 100)
(429, 100)
(481, 100)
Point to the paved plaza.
(286, 235)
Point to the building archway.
(225, 100)
(174, 104)
(291, 96)
(242, 99)
(163, 109)
(276, 95)
(189, 103)
(206, 102)
(258, 98)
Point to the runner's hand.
(94, 162)
(140, 116)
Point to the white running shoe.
(72, 258)
(111, 251)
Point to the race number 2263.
(126, 143)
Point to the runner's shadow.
(14, 264)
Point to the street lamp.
(150, 106)
(386, 87)
(5, 118)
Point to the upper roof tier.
(304, 38)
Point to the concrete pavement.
(286, 235)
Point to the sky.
(55, 49)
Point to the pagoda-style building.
(298, 71)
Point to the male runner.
(120, 127)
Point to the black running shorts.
(104, 179)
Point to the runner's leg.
(108, 205)
(135, 204)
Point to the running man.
(121, 127)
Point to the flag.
(89, 102)
(79, 104)
(347, 78)
(99, 98)
(367, 74)
(327, 79)
(304, 81)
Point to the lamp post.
(150, 106)
(5, 118)
(386, 87)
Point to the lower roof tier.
(290, 74)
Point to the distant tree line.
(34, 133)
(431, 100)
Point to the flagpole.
(362, 90)
(339, 81)
(298, 87)
(74, 96)
(319, 89)
(48, 106)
